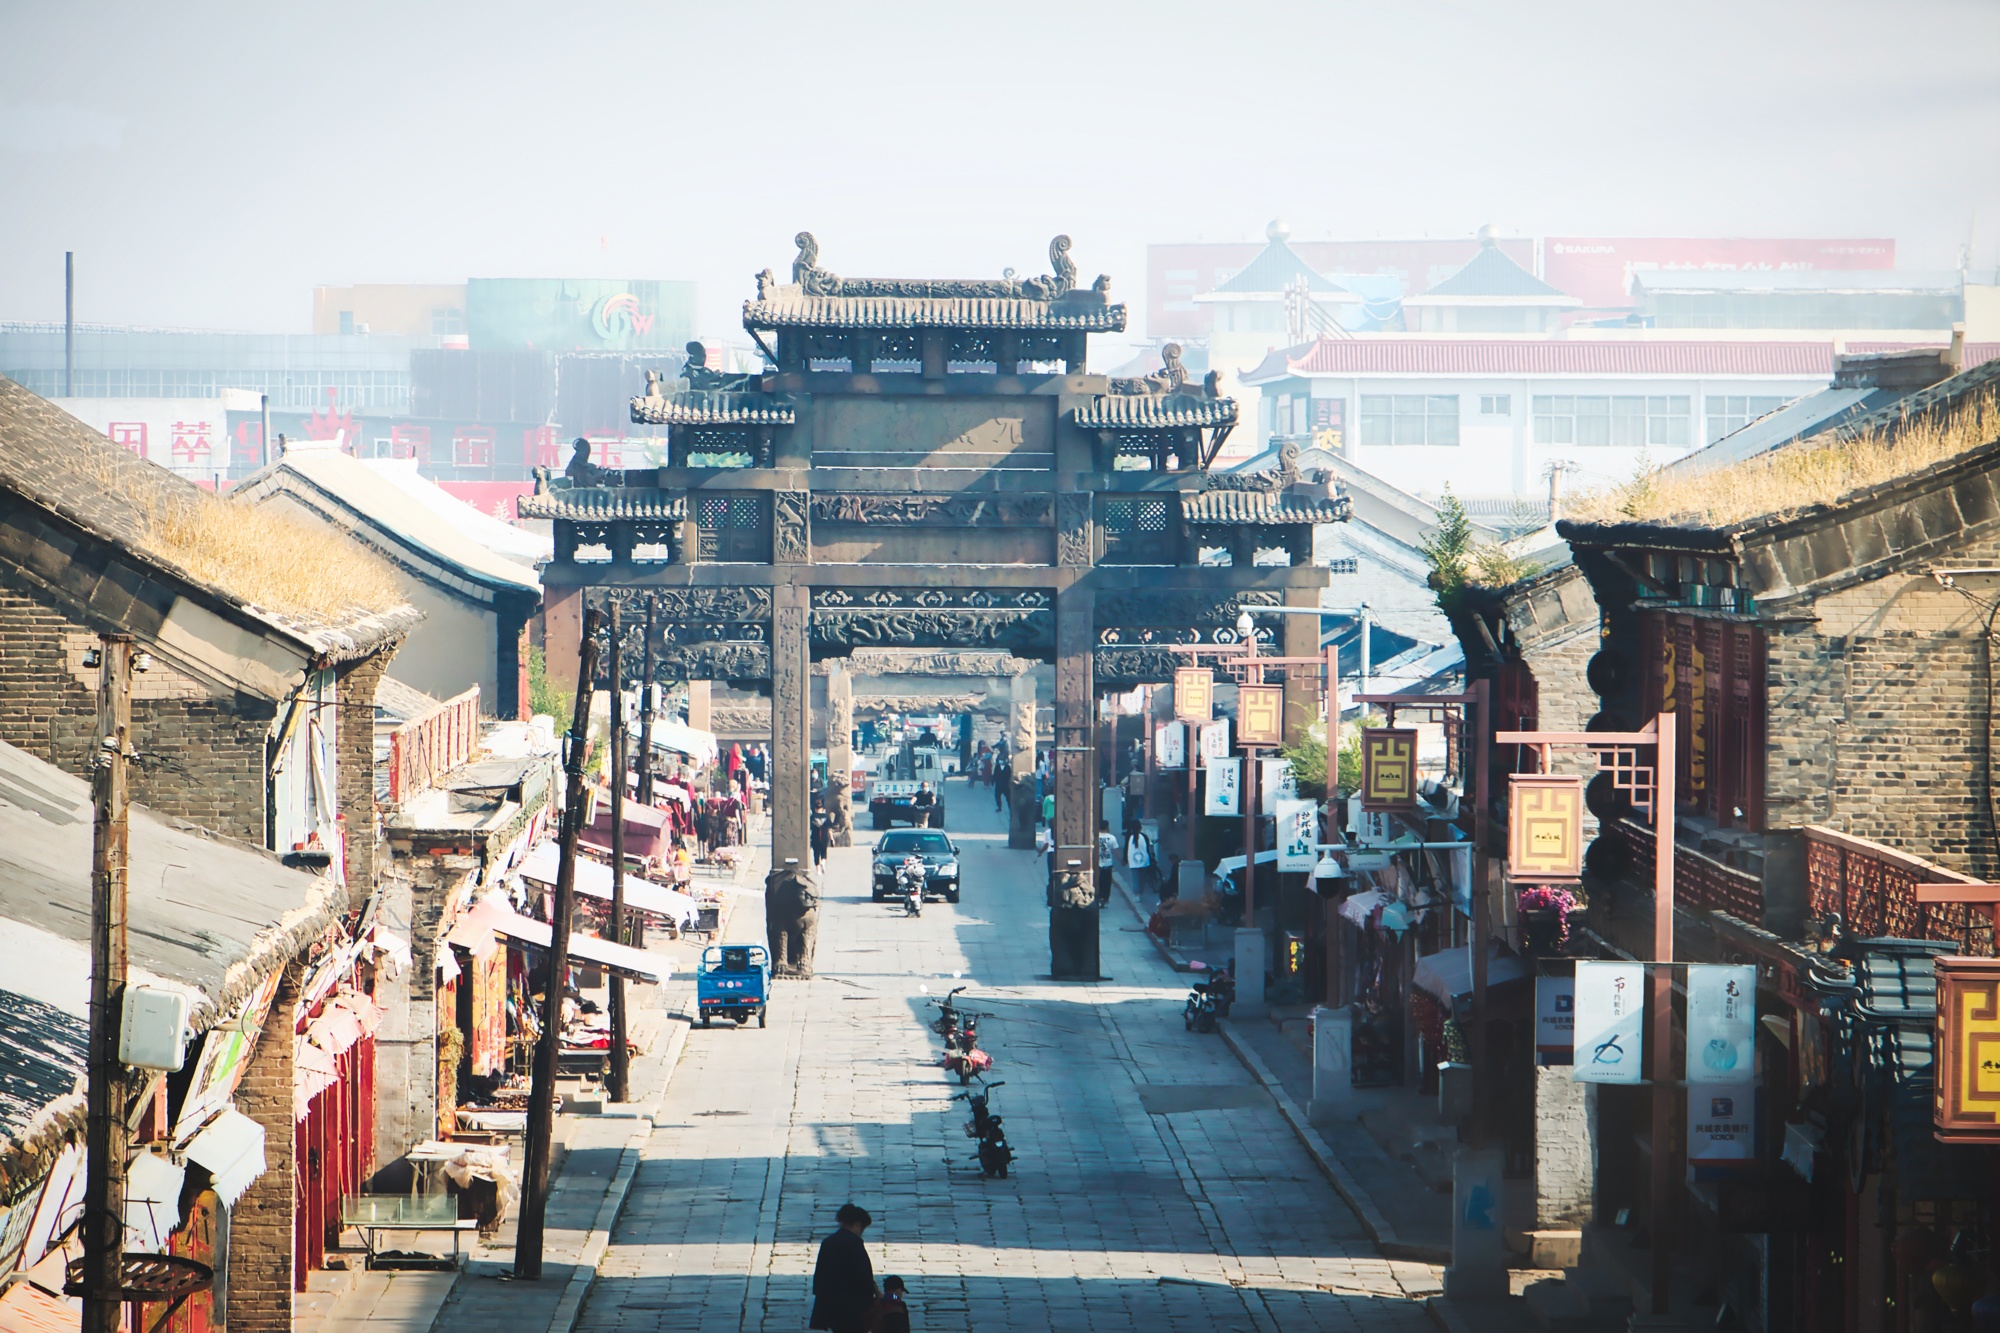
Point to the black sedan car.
(940, 857)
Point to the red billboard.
(1598, 269)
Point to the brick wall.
(204, 755)
(355, 762)
(1565, 1149)
(260, 1225)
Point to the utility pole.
(648, 705)
(542, 1092)
(621, 1067)
(106, 1137)
(1252, 675)
(69, 323)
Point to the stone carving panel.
(1180, 606)
(926, 599)
(945, 662)
(694, 605)
(1073, 541)
(791, 542)
(1017, 629)
(714, 661)
(1138, 666)
(948, 511)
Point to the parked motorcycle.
(995, 1154)
(910, 883)
(1208, 1001)
(946, 1023)
(962, 1055)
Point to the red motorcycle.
(962, 1055)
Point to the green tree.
(1308, 757)
(1449, 548)
(544, 696)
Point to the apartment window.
(1495, 404)
(347, 321)
(1728, 413)
(1409, 418)
(1625, 421)
(447, 320)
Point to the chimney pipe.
(1555, 492)
(1954, 357)
(69, 323)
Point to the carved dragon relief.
(1180, 606)
(688, 605)
(1015, 629)
(957, 511)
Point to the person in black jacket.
(844, 1279)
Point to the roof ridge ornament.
(812, 280)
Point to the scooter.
(994, 1152)
(962, 1055)
(1208, 1001)
(980, 1103)
(910, 880)
(946, 1023)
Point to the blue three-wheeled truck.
(734, 982)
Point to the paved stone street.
(1156, 1187)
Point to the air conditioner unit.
(152, 1031)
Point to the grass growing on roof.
(269, 559)
(1821, 470)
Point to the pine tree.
(1449, 548)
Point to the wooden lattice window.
(1138, 530)
(734, 528)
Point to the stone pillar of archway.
(1023, 806)
(840, 751)
(1075, 895)
(791, 730)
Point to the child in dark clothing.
(892, 1309)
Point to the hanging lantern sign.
(1968, 1045)
(1194, 694)
(1721, 1022)
(1260, 715)
(1388, 768)
(1214, 740)
(1298, 835)
(1544, 826)
(1170, 745)
(1224, 787)
(1610, 1017)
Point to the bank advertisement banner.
(1722, 1121)
(1610, 1019)
(1224, 787)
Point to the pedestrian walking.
(1107, 857)
(822, 830)
(1139, 860)
(1049, 810)
(892, 1308)
(1000, 789)
(844, 1279)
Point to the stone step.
(1556, 1308)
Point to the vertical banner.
(1260, 715)
(1274, 783)
(1194, 694)
(1555, 1018)
(1224, 787)
(1170, 745)
(1298, 834)
(1215, 740)
(1722, 1121)
(1721, 1022)
(1610, 1021)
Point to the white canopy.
(593, 879)
(683, 739)
(635, 963)
(1447, 974)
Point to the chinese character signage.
(1169, 745)
(1722, 1121)
(1721, 1022)
(1388, 768)
(1544, 826)
(1555, 1017)
(1260, 715)
(1274, 783)
(1194, 694)
(1298, 834)
(1610, 1017)
(1214, 740)
(1968, 1063)
(1224, 787)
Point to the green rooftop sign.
(578, 314)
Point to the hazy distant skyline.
(210, 164)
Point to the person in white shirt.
(1139, 860)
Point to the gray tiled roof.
(794, 308)
(702, 407)
(1492, 273)
(597, 504)
(1155, 412)
(1263, 507)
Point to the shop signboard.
(1388, 768)
(1610, 1016)
(1298, 834)
(1544, 826)
(1721, 1022)
(1722, 1121)
(1274, 783)
(1260, 715)
(1968, 1043)
(578, 314)
(1170, 745)
(1194, 694)
(1555, 1018)
(1223, 787)
(1214, 740)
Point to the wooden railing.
(427, 747)
(1699, 881)
(1874, 889)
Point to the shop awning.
(683, 739)
(1229, 865)
(593, 879)
(620, 958)
(1357, 906)
(1447, 974)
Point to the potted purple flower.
(1545, 912)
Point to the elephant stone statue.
(791, 920)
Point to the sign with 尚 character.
(1968, 1043)
(1298, 835)
(1213, 740)
(1169, 745)
(1610, 1019)
(1388, 768)
(1224, 789)
(1721, 1022)
(1544, 826)
(1260, 715)
(1194, 694)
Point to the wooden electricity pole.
(621, 1066)
(548, 1050)
(646, 706)
(106, 1136)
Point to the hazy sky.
(211, 163)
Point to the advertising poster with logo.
(1274, 783)
(1215, 741)
(1555, 1018)
(1722, 1121)
(1610, 1017)
(1224, 787)
(1721, 1022)
(1170, 745)
(1298, 834)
